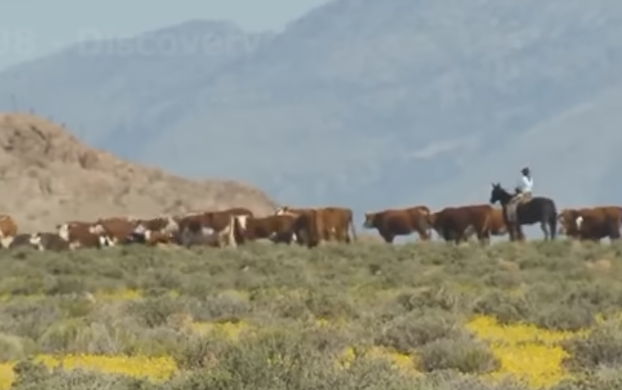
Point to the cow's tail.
(425, 219)
(230, 232)
(239, 229)
(353, 229)
(487, 226)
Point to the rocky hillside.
(360, 102)
(47, 176)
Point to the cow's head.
(569, 222)
(281, 210)
(63, 231)
(370, 220)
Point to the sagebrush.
(363, 316)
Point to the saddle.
(525, 200)
(517, 203)
(519, 200)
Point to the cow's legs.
(388, 238)
(484, 237)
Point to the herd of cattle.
(304, 226)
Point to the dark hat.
(525, 171)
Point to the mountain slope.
(48, 176)
(575, 168)
(359, 102)
(116, 91)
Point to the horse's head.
(498, 194)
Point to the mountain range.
(364, 103)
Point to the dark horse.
(538, 210)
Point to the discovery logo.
(164, 44)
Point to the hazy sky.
(30, 28)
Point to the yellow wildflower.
(231, 330)
(154, 368)
(525, 351)
(6, 375)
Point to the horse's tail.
(553, 222)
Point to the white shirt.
(525, 184)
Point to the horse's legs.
(511, 232)
(514, 221)
(509, 224)
(545, 229)
(519, 232)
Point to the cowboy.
(523, 193)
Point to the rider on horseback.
(523, 193)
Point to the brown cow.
(567, 222)
(456, 223)
(241, 215)
(153, 238)
(277, 228)
(334, 223)
(593, 223)
(116, 230)
(310, 228)
(221, 225)
(64, 228)
(8, 227)
(303, 222)
(496, 223)
(340, 222)
(82, 226)
(226, 237)
(165, 224)
(81, 235)
(399, 222)
(219, 220)
(140, 235)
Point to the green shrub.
(462, 354)
(407, 298)
(14, 348)
(415, 329)
(602, 347)
(31, 376)
(153, 312)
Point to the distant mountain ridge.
(359, 102)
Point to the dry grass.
(364, 316)
(48, 176)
